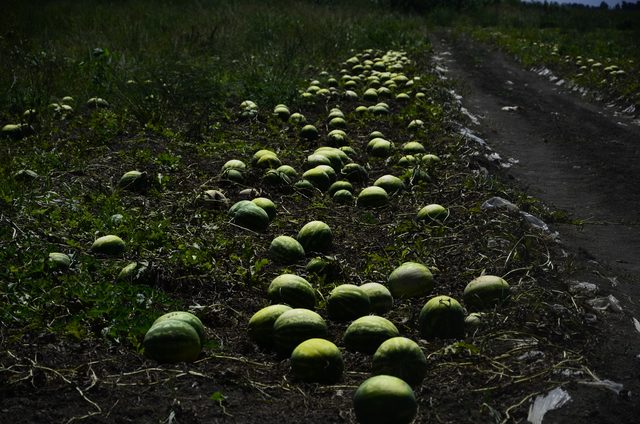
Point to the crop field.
(152, 121)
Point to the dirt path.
(579, 158)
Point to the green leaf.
(217, 396)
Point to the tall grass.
(200, 50)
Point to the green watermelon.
(390, 183)
(58, 261)
(249, 215)
(318, 177)
(385, 399)
(433, 212)
(367, 333)
(172, 341)
(442, 317)
(315, 236)
(309, 132)
(372, 197)
(402, 358)
(379, 296)
(485, 292)
(292, 290)
(108, 245)
(187, 317)
(317, 360)
(347, 302)
(286, 250)
(134, 181)
(295, 326)
(266, 204)
(340, 185)
(410, 279)
(260, 326)
(343, 197)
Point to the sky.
(591, 2)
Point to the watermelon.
(309, 132)
(485, 292)
(380, 147)
(331, 173)
(172, 341)
(442, 317)
(347, 302)
(410, 279)
(282, 112)
(354, 172)
(266, 204)
(260, 326)
(343, 197)
(315, 159)
(292, 290)
(286, 250)
(340, 185)
(372, 197)
(109, 245)
(367, 333)
(315, 236)
(433, 212)
(134, 272)
(234, 164)
(337, 123)
(402, 358)
(337, 138)
(187, 317)
(390, 183)
(317, 360)
(58, 261)
(133, 180)
(385, 399)
(262, 152)
(413, 148)
(474, 320)
(297, 118)
(249, 215)
(295, 326)
(379, 296)
(268, 160)
(318, 177)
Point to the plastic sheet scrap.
(535, 222)
(605, 384)
(542, 404)
(499, 203)
(607, 303)
(582, 287)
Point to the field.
(174, 81)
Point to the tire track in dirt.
(579, 158)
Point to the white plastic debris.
(582, 287)
(608, 303)
(534, 221)
(510, 108)
(636, 324)
(605, 384)
(474, 119)
(499, 203)
(468, 134)
(555, 399)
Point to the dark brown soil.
(582, 158)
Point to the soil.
(581, 158)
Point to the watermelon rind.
(317, 360)
(385, 399)
(295, 326)
(402, 358)
(172, 341)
